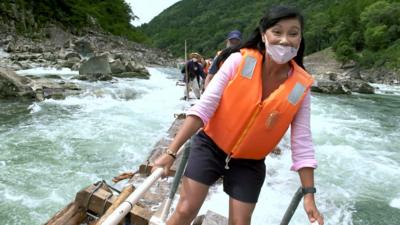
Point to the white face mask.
(281, 54)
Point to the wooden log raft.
(93, 201)
(70, 215)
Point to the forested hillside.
(366, 31)
(27, 16)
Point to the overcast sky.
(148, 9)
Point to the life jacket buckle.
(228, 158)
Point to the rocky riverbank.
(58, 48)
(101, 56)
(96, 55)
(333, 78)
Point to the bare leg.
(240, 212)
(187, 90)
(196, 88)
(192, 197)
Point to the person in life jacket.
(194, 70)
(233, 40)
(244, 112)
(205, 63)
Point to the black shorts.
(206, 164)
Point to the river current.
(50, 150)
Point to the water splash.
(386, 89)
(43, 71)
(395, 203)
(3, 54)
(34, 108)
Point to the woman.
(245, 111)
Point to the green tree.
(318, 33)
(345, 52)
(377, 37)
(113, 16)
(382, 24)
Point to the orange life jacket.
(207, 66)
(243, 125)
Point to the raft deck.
(93, 201)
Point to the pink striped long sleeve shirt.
(301, 140)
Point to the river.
(52, 149)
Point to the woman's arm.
(301, 140)
(303, 156)
(190, 126)
(307, 181)
(201, 112)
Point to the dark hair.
(272, 17)
(224, 54)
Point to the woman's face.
(286, 32)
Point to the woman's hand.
(311, 210)
(190, 126)
(164, 161)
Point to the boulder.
(84, 47)
(70, 55)
(67, 64)
(57, 35)
(52, 76)
(10, 47)
(12, 85)
(49, 56)
(359, 86)
(132, 75)
(117, 67)
(121, 56)
(45, 88)
(332, 76)
(71, 62)
(33, 87)
(95, 65)
(136, 67)
(329, 87)
(353, 73)
(37, 49)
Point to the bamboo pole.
(186, 74)
(176, 181)
(121, 197)
(123, 209)
(292, 207)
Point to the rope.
(105, 203)
(97, 187)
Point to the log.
(97, 202)
(70, 215)
(121, 197)
(138, 215)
